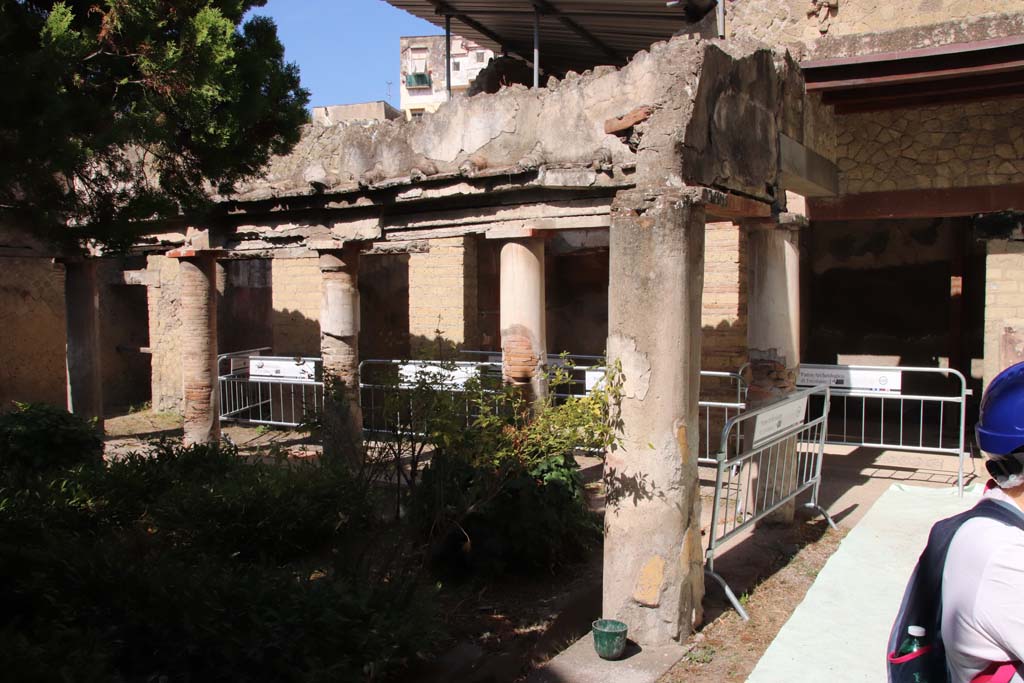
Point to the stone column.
(653, 553)
(523, 315)
(84, 375)
(339, 346)
(773, 331)
(198, 283)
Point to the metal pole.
(536, 48)
(720, 15)
(448, 54)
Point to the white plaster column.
(653, 551)
(523, 315)
(339, 346)
(198, 282)
(84, 370)
(773, 333)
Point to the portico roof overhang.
(575, 34)
(945, 74)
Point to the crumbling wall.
(296, 306)
(164, 294)
(521, 129)
(963, 145)
(807, 22)
(1004, 306)
(443, 297)
(32, 332)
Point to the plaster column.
(523, 315)
(339, 346)
(773, 333)
(84, 374)
(653, 551)
(198, 282)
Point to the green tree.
(121, 111)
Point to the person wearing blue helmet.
(983, 576)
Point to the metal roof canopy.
(958, 72)
(575, 35)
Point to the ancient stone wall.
(296, 306)
(443, 296)
(964, 145)
(124, 331)
(1004, 306)
(795, 22)
(165, 334)
(724, 313)
(32, 332)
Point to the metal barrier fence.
(899, 408)
(723, 395)
(767, 458)
(270, 390)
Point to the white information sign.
(593, 379)
(777, 420)
(450, 376)
(283, 368)
(853, 379)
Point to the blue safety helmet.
(1000, 429)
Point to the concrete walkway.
(839, 631)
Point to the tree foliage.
(119, 111)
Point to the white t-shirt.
(983, 595)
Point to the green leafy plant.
(36, 437)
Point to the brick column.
(84, 374)
(773, 331)
(339, 346)
(653, 551)
(523, 315)
(198, 282)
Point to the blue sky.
(347, 50)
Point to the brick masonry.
(724, 314)
(1004, 306)
(165, 334)
(296, 306)
(443, 296)
(32, 332)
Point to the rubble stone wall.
(32, 332)
(1004, 306)
(979, 143)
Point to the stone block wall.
(32, 332)
(123, 332)
(724, 315)
(296, 306)
(1004, 306)
(443, 296)
(165, 334)
(964, 145)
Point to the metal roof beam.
(443, 8)
(547, 8)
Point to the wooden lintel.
(188, 252)
(925, 203)
(737, 207)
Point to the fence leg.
(815, 506)
(728, 594)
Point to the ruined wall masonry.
(32, 332)
(813, 24)
(1004, 306)
(443, 296)
(932, 147)
(296, 306)
(165, 334)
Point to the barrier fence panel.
(767, 458)
(271, 390)
(723, 395)
(899, 408)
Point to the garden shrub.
(36, 437)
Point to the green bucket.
(609, 638)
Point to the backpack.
(922, 605)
